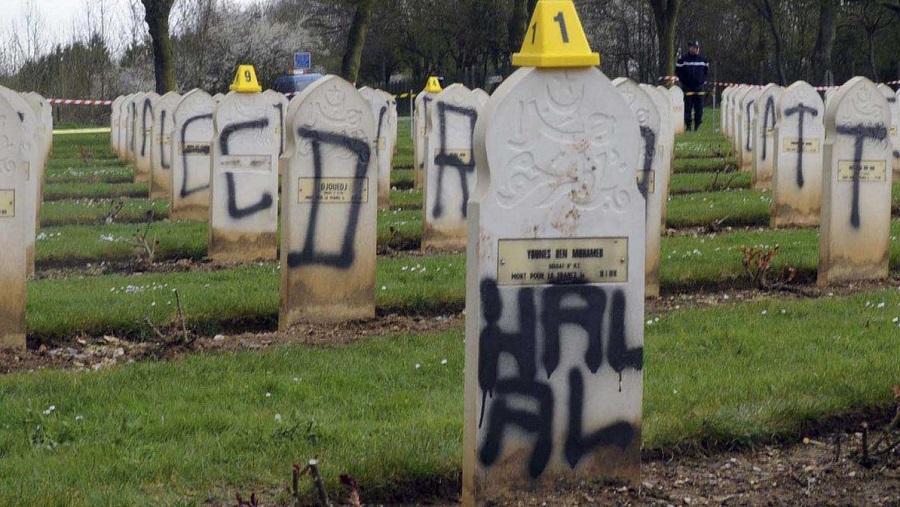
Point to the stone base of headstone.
(190, 213)
(763, 185)
(295, 311)
(12, 314)
(159, 193)
(229, 246)
(443, 240)
(788, 216)
(840, 270)
(506, 485)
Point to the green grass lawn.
(199, 429)
(214, 301)
(431, 284)
(97, 211)
(691, 182)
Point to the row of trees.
(396, 44)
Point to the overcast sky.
(59, 16)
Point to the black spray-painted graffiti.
(148, 105)
(555, 313)
(359, 148)
(649, 138)
(163, 163)
(381, 113)
(769, 113)
(266, 201)
(280, 108)
(802, 110)
(749, 129)
(133, 126)
(191, 150)
(444, 159)
(860, 133)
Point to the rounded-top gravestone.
(191, 156)
(449, 168)
(855, 236)
(329, 207)
(161, 149)
(765, 117)
(799, 140)
(555, 292)
(16, 204)
(244, 179)
(652, 175)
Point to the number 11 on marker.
(562, 26)
(559, 18)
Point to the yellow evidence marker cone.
(555, 38)
(245, 80)
(433, 85)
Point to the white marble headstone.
(192, 138)
(244, 179)
(652, 172)
(555, 287)
(765, 117)
(16, 213)
(855, 236)
(677, 95)
(33, 152)
(143, 143)
(423, 104)
(43, 117)
(449, 168)
(894, 129)
(799, 145)
(723, 111)
(748, 112)
(329, 208)
(114, 123)
(161, 148)
(666, 145)
(384, 110)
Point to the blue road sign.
(302, 61)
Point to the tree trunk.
(822, 51)
(764, 8)
(156, 14)
(870, 36)
(356, 40)
(665, 13)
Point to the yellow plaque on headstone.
(562, 261)
(869, 170)
(555, 38)
(334, 190)
(7, 203)
(245, 80)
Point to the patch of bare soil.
(806, 472)
(172, 343)
(828, 467)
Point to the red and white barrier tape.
(81, 102)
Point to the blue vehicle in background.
(295, 83)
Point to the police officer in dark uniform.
(692, 70)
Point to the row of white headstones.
(828, 163)
(26, 137)
(220, 159)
